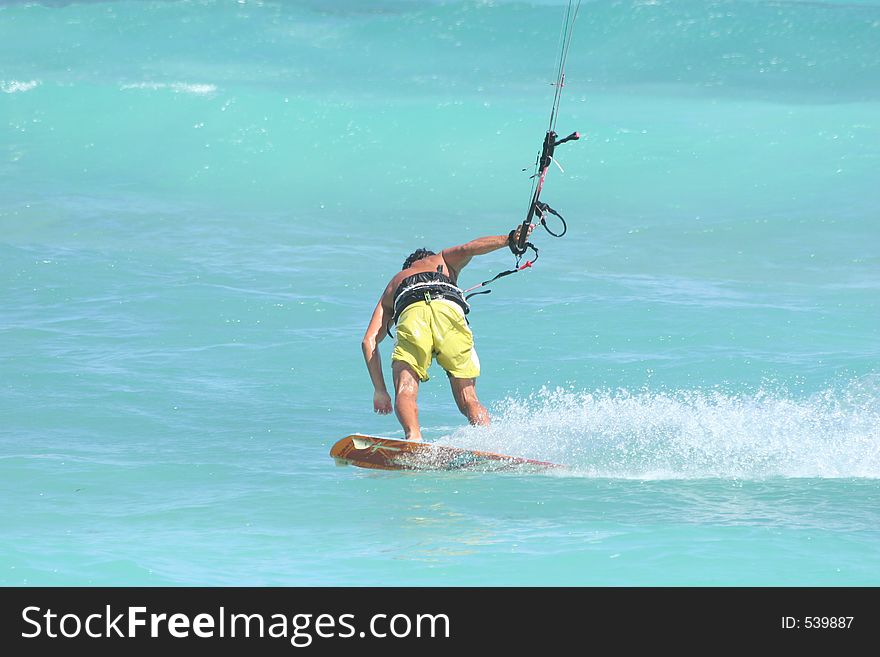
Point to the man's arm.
(456, 257)
(376, 332)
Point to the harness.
(427, 286)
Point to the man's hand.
(382, 402)
(517, 231)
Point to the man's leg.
(406, 392)
(465, 393)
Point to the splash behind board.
(390, 454)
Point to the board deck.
(391, 454)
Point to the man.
(429, 309)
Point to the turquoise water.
(200, 203)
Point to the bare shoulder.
(455, 258)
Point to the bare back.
(429, 263)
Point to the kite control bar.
(537, 207)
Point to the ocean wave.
(690, 434)
(17, 86)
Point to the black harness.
(427, 286)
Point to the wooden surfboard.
(390, 454)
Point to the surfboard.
(390, 454)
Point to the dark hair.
(416, 255)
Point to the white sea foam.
(692, 434)
(17, 86)
(199, 89)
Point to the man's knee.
(405, 398)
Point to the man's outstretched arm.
(458, 256)
(376, 332)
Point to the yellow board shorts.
(436, 329)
